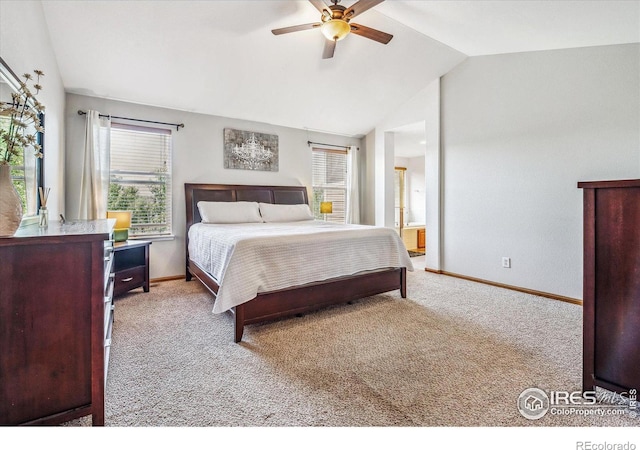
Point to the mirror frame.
(10, 77)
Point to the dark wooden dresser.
(611, 298)
(56, 312)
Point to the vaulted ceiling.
(220, 57)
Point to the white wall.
(25, 46)
(197, 157)
(433, 175)
(367, 182)
(518, 132)
(416, 189)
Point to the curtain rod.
(177, 125)
(346, 147)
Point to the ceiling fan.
(335, 24)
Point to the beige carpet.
(454, 353)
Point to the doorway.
(399, 187)
(409, 185)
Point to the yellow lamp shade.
(123, 218)
(326, 207)
(123, 223)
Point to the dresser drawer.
(129, 279)
(108, 287)
(108, 330)
(108, 320)
(108, 261)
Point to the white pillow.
(229, 212)
(285, 213)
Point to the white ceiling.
(410, 140)
(220, 58)
(479, 27)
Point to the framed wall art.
(248, 150)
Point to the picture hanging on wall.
(249, 150)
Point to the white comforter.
(246, 259)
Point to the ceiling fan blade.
(320, 5)
(306, 26)
(329, 48)
(376, 35)
(360, 7)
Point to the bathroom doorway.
(399, 184)
(409, 186)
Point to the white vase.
(10, 203)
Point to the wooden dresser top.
(77, 230)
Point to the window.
(329, 180)
(141, 178)
(26, 168)
(25, 173)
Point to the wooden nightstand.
(131, 266)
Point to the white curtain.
(94, 185)
(353, 191)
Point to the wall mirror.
(26, 169)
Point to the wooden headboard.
(281, 195)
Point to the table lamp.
(123, 223)
(326, 208)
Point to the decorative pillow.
(229, 212)
(285, 213)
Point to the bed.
(289, 297)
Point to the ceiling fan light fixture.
(335, 29)
(335, 24)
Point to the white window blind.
(141, 177)
(329, 180)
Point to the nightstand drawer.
(129, 279)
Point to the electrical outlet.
(506, 262)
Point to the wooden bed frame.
(291, 301)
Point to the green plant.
(19, 131)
